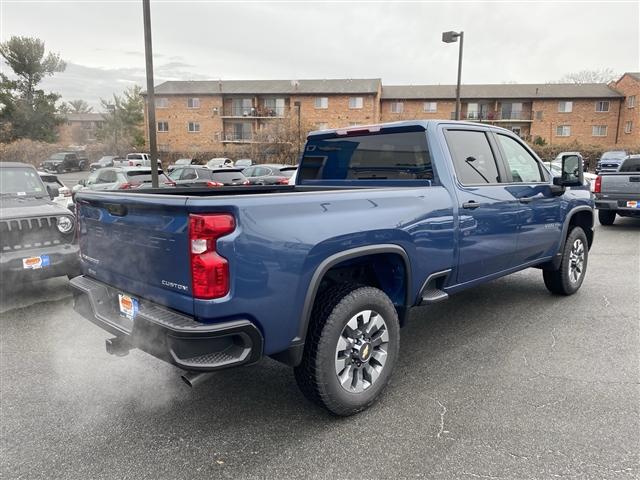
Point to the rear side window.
(524, 168)
(473, 158)
(385, 156)
(631, 165)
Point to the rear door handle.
(525, 199)
(471, 205)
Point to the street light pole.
(151, 104)
(452, 37)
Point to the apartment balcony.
(237, 138)
(493, 116)
(253, 112)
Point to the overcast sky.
(524, 42)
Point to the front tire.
(351, 348)
(568, 279)
(606, 217)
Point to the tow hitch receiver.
(117, 346)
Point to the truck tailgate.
(627, 184)
(138, 244)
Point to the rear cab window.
(473, 158)
(393, 156)
(631, 165)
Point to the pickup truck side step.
(433, 295)
(432, 288)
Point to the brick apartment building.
(80, 128)
(197, 116)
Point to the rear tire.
(606, 217)
(351, 348)
(568, 279)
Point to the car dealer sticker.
(128, 306)
(34, 263)
(633, 204)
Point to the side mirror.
(82, 182)
(572, 174)
(53, 192)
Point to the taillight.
(131, 163)
(246, 182)
(209, 271)
(283, 181)
(128, 185)
(215, 184)
(597, 188)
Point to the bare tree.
(79, 106)
(602, 75)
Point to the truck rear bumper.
(620, 206)
(166, 334)
(60, 260)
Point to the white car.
(220, 162)
(58, 191)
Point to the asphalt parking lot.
(505, 381)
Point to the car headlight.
(65, 224)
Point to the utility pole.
(151, 103)
(297, 105)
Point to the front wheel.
(606, 217)
(351, 348)
(568, 279)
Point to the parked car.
(618, 193)
(139, 160)
(381, 219)
(184, 162)
(65, 162)
(37, 236)
(106, 161)
(58, 191)
(269, 174)
(121, 178)
(197, 176)
(610, 161)
(220, 162)
(243, 163)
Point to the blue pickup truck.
(321, 275)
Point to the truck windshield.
(20, 182)
(385, 156)
(631, 165)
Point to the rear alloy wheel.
(606, 217)
(568, 279)
(351, 348)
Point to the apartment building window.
(599, 131)
(565, 107)
(631, 101)
(193, 102)
(322, 126)
(539, 115)
(355, 102)
(322, 102)
(397, 107)
(162, 102)
(628, 126)
(602, 106)
(274, 107)
(163, 126)
(563, 130)
(430, 107)
(193, 127)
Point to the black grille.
(24, 233)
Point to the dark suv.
(37, 236)
(65, 162)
